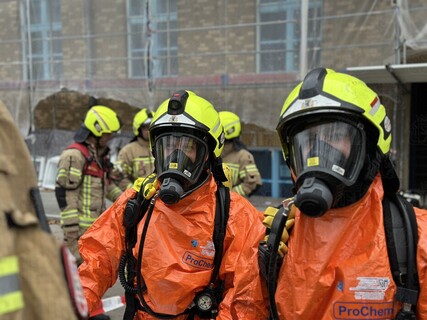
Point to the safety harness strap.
(401, 231)
(221, 219)
(91, 167)
(134, 212)
(272, 265)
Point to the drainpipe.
(303, 43)
(30, 68)
(88, 14)
(148, 58)
(397, 31)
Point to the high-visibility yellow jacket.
(246, 177)
(83, 184)
(32, 278)
(133, 161)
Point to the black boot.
(100, 317)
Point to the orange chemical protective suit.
(179, 238)
(337, 266)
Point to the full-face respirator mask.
(180, 162)
(186, 139)
(326, 159)
(335, 136)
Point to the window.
(44, 51)
(137, 38)
(165, 46)
(279, 34)
(156, 42)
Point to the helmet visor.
(334, 147)
(181, 156)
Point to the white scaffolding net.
(242, 55)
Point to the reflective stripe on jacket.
(133, 161)
(85, 184)
(246, 176)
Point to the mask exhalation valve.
(170, 191)
(314, 197)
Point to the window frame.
(136, 20)
(291, 40)
(48, 25)
(168, 17)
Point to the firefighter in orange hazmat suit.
(336, 136)
(175, 249)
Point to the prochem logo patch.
(197, 261)
(365, 310)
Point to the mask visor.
(180, 156)
(336, 148)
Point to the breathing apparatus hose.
(122, 276)
(134, 212)
(273, 242)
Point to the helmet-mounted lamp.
(177, 102)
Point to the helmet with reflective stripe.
(142, 117)
(325, 91)
(231, 123)
(100, 120)
(191, 114)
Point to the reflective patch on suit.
(371, 288)
(363, 310)
(197, 261)
(208, 249)
(11, 298)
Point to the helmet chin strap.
(93, 141)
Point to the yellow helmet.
(142, 117)
(335, 137)
(231, 123)
(100, 119)
(188, 113)
(326, 92)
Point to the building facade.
(242, 55)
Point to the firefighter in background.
(246, 177)
(83, 178)
(174, 251)
(336, 137)
(135, 159)
(32, 278)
